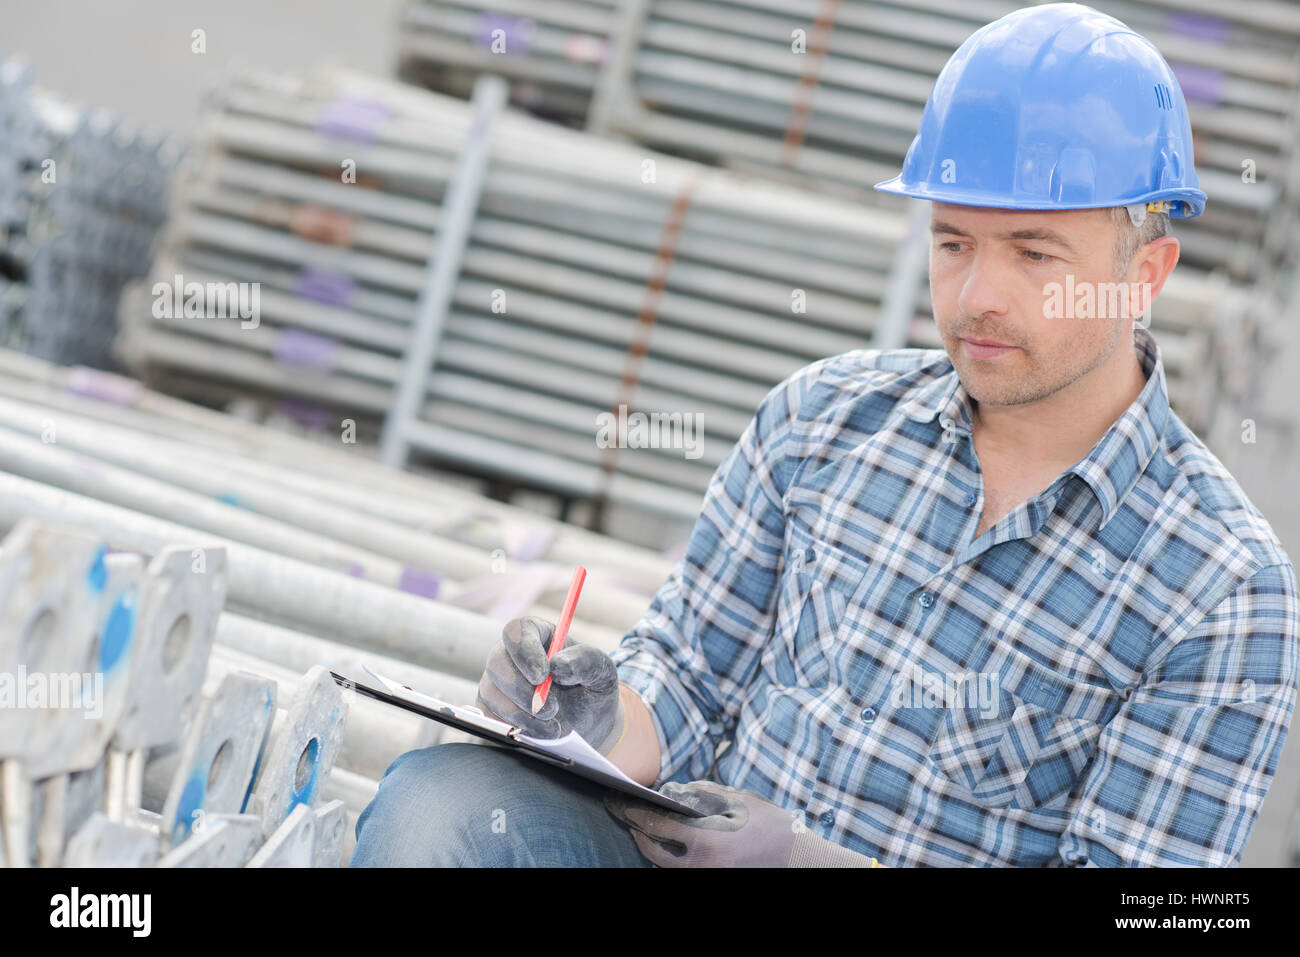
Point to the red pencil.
(561, 631)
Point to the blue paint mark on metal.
(267, 703)
(119, 630)
(97, 577)
(307, 793)
(191, 801)
(229, 498)
(257, 766)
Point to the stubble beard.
(1040, 379)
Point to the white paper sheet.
(575, 746)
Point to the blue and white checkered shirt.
(1105, 677)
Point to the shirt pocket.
(1031, 751)
(818, 581)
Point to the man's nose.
(985, 287)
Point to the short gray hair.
(1129, 238)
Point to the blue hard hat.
(1054, 107)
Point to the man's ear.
(1155, 261)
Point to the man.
(990, 605)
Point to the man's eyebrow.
(1041, 233)
(939, 226)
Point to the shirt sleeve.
(697, 647)
(1182, 769)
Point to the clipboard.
(571, 757)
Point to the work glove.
(584, 686)
(740, 829)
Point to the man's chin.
(1007, 392)
(995, 386)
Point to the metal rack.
(82, 200)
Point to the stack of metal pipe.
(549, 310)
(316, 572)
(333, 472)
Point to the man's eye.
(1036, 257)
(950, 247)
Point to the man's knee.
(463, 804)
(430, 804)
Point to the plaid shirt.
(1105, 677)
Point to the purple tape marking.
(476, 131)
(307, 414)
(305, 350)
(518, 32)
(1200, 26)
(352, 118)
(104, 386)
(329, 286)
(88, 467)
(1200, 84)
(419, 581)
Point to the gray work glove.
(584, 686)
(741, 830)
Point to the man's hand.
(584, 686)
(740, 829)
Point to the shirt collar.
(1120, 456)
(943, 396)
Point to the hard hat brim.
(1189, 202)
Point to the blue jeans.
(472, 805)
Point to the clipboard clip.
(462, 712)
(474, 715)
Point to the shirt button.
(969, 499)
(827, 819)
(868, 715)
(809, 555)
(926, 599)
